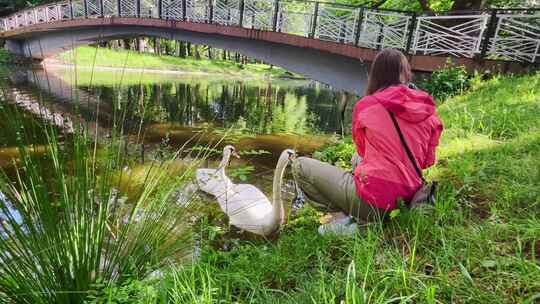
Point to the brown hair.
(389, 68)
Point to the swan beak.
(235, 154)
(292, 156)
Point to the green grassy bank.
(103, 57)
(480, 244)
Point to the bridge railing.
(512, 35)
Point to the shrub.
(447, 82)
(338, 154)
(6, 57)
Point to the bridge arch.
(324, 41)
(340, 71)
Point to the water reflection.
(254, 114)
(254, 108)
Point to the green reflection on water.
(253, 114)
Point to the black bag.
(426, 193)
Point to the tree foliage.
(439, 5)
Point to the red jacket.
(386, 173)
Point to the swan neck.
(224, 162)
(277, 201)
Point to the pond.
(251, 114)
(162, 112)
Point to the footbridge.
(324, 41)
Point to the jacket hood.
(407, 104)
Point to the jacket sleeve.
(358, 129)
(436, 131)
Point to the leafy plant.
(338, 154)
(447, 82)
(6, 57)
(131, 291)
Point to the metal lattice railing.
(382, 30)
(110, 8)
(172, 9)
(459, 36)
(197, 10)
(226, 12)
(296, 19)
(78, 8)
(337, 24)
(149, 9)
(517, 37)
(128, 8)
(496, 34)
(258, 14)
(93, 8)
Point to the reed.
(65, 226)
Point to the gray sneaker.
(340, 227)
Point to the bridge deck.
(495, 39)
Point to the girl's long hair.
(389, 68)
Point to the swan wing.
(211, 182)
(248, 208)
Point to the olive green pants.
(331, 189)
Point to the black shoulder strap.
(404, 143)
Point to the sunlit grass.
(123, 59)
(478, 245)
(86, 76)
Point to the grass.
(95, 77)
(479, 244)
(87, 56)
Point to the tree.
(438, 5)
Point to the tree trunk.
(197, 53)
(182, 49)
(127, 44)
(157, 46)
(189, 50)
(460, 5)
(424, 5)
(138, 44)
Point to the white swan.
(214, 181)
(249, 209)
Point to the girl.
(385, 172)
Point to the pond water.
(260, 117)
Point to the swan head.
(229, 150)
(286, 156)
